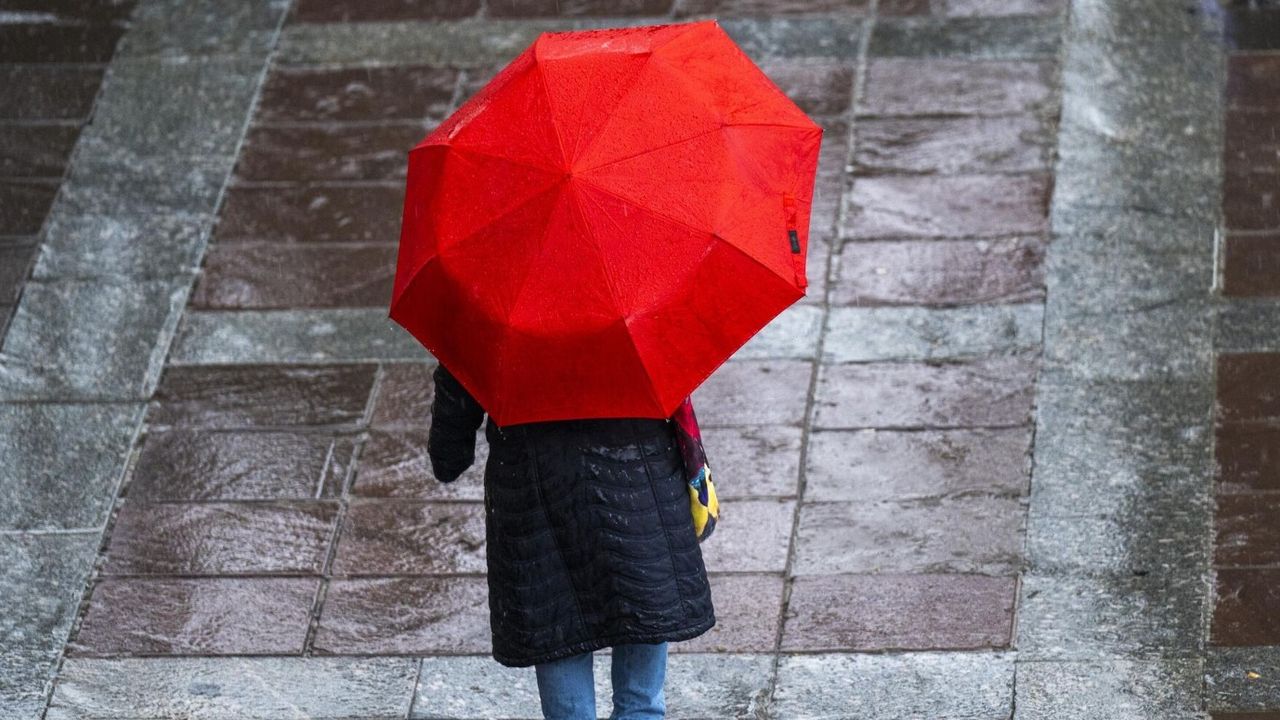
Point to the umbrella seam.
(546, 93)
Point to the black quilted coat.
(590, 541)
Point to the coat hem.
(599, 643)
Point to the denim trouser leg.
(567, 688)
(638, 673)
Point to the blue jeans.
(568, 691)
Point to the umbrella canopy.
(603, 224)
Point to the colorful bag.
(702, 492)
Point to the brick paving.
(971, 475)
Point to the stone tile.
(1013, 37)
(311, 94)
(1246, 532)
(862, 334)
(1253, 82)
(1104, 689)
(1242, 678)
(1251, 265)
(406, 615)
(818, 88)
(1090, 270)
(1251, 326)
(203, 28)
(1160, 542)
(748, 609)
(995, 392)
(750, 536)
(146, 104)
(982, 535)
(48, 92)
(347, 11)
(403, 537)
(1250, 202)
(207, 465)
(951, 146)
(405, 394)
(1084, 617)
(85, 246)
(234, 337)
(792, 335)
(41, 578)
(1245, 609)
(216, 688)
(205, 616)
(311, 213)
(113, 183)
(454, 44)
(51, 353)
(711, 686)
(759, 460)
(971, 8)
(220, 538)
(562, 8)
(1253, 28)
(24, 203)
(880, 465)
(59, 463)
(1251, 141)
(768, 8)
(395, 464)
(36, 150)
(273, 275)
(262, 396)
(1128, 341)
(15, 263)
(1130, 448)
(112, 12)
(924, 86)
(899, 612)
(328, 152)
(928, 272)
(950, 206)
(1248, 386)
(754, 392)
(1246, 457)
(968, 686)
(831, 36)
(44, 42)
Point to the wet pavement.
(1016, 455)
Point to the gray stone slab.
(86, 246)
(42, 577)
(750, 536)
(1148, 542)
(979, 37)
(293, 336)
(1167, 340)
(1242, 678)
(1121, 616)
(1247, 326)
(1108, 690)
(793, 334)
(146, 105)
(905, 686)
(981, 535)
(1124, 448)
(112, 182)
(170, 28)
(234, 688)
(754, 460)
(833, 36)
(698, 686)
(89, 339)
(865, 334)
(60, 464)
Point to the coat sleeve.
(455, 418)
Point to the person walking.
(590, 543)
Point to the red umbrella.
(605, 222)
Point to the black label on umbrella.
(795, 241)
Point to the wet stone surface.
(1077, 690)
(751, 537)
(926, 86)
(1246, 607)
(754, 392)
(950, 146)
(1242, 679)
(946, 206)
(411, 538)
(262, 395)
(395, 93)
(406, 615)
(859, 334)
(754, 460)
(395, 464)
(747, 615)
(1002, 37)
(890, 611)
(234, 337)
(204, 616)
(80, 246)
(312, 213)
(262, 276)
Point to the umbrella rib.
(646, 151)
(546, 93)
(680, 222)
(635, 79)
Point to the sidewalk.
(1015, 455)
